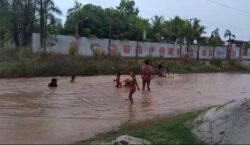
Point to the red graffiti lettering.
(162, 51)
(171, 51)
(126, 48)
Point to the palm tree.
(76, 10)
(176, 30)
(46, 11)
(157, 25)
(229, 35)
(198, 30)
(140, 25)
(215, 36)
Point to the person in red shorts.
(147, 75)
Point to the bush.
(99, 54)
(74, 48)
(217, 63)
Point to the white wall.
(60, 44)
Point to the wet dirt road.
(31, 113)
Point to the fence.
(61, 44)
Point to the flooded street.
(31, 113)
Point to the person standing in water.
(147, 75)
(72, 78)
(118, 80)
(160, 69)
(133, 85)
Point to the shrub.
(217, 63)
(73, 48)
(99, 54)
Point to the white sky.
(210, 14)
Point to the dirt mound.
(226, 124)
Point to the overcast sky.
(233, 15)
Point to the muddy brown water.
(31, 113)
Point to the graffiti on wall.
(87, 47)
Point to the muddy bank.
(32, 113)
(226, 124)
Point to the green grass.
(173, 130)
(31, 65)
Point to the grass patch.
(169, 130)
(23, 64)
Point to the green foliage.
(229, 34)
(25, 64)
(99, 54)
(127, 8)
(217, 63)
(215, 39)
(17, 18)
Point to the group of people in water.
(53, 82)
(147, 74)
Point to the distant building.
(237, 43)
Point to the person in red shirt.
(147, 75)
(133, 85)
(117, 80)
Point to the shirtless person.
(147, 75)
(133, 85)
(117, 80)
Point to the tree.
(17, 18)
(127, 8)
(198, 30)
(139, 26)
(157, 23)
(215, 39)
(76, 10)
(47, 9)
(229, 34)
(175, 31)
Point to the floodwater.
(31, 113)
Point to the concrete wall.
(60, 44)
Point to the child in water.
(133, 85)
(53, 83)
(72, 78)
(117, 80)
(126, 83)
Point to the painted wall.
(60, 44)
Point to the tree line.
(20, 18)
